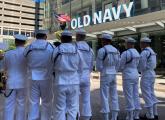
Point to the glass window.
(11, 32)
(154, 5)
(163, 4)
(137, 4)
(66, 1)
(27, 34)
(120, 2)
(22, 32)
(108, 6)
(144, 4)
(16, 32)
(32, 34)
(5, 32)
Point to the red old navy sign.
(100, 17)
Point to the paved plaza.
(95, 97)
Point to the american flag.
(62, 17)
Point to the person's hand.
(1, 56)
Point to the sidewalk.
(95, 96)
(159, 82)
(1, 106)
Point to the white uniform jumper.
(129, 67)
(87, 62)
(107, 63)
(16, 66)
(39, 56)
(66, 89)
(147, 66)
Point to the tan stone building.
(18, 16)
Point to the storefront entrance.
(158, 44)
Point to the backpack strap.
(60, 53)
(82, 49)
(129, 61)
(57, 54)
(31, 49)
(51, 45)
(105, 55)
(148, 57)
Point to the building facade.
(19, 16)
(147, 18)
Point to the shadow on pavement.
(95, 100)
(161, 76)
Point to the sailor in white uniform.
(66, 83)
(39, 57)
(107, 62)
(129, 67)
(87, 55)
(15, 66)
(147, 66)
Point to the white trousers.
(66, 99)
(40, 90)
(147, 88)
(131, 93)
(108, 89)
(15, 104)
(85, 98)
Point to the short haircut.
(147, 43)
(81, 37)
(66, 39)
(20, 42)
(56, 43)
(63, 26)
(40, 36)
(107, 40)
(132, 43)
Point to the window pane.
(5, 32)
(27, 34)
(16, 32)
(11, 32)
(22, 32)
(32, 34)
(144, 4)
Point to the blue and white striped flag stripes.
(39, 1)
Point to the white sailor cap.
(66, 33)
(130, 40)
(80, 31)
(145, 39)
(106, 36)
(20, 37)
(42, 32)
